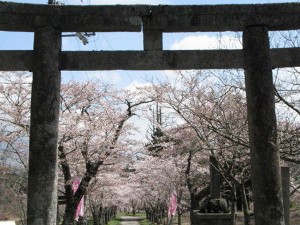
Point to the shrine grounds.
(294, 220)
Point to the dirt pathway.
(130, 220)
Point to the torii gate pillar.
(42, 183)
(265, 171)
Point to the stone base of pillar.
(198, 218)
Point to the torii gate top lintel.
(153, 21)
(166, 18)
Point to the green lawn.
(116, 221)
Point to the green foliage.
(293, 205)
(145, 222)
(117, 220)
(90, 222)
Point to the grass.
(144, 222)
(116, 221)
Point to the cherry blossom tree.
(93, 132)
(103, 194)
(153, 186)
(213, 105)
(94, 128)
(14, 117)
(215, 116)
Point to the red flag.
(172, 205)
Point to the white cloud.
(205, 41)
(136, 84)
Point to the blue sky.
(124, 41)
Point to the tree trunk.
(245, 206)
(233, 205)
(147, 214)
(239, 199)
(96, 214)
(179, 218)
(133, 209)
(69, 217)
(96, 219)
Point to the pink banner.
(80, 207)
(172, 205)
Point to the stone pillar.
(153, 40)
(265, 170)
(215, 178)
(285, 179)
(42, 180)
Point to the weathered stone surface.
(215, 205)
(153, 40)
(27, 17)
(215, 178)
(198, 218)
(223, 17)
(148, 60)
(151, 60)
(16, 60)
(265, 172)
(45, 99)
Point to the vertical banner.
(80, 207)
(172, 205)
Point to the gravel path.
(130, 220)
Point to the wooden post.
(265, 171)
(285, 179)
(42, 181)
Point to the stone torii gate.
(47, 60)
